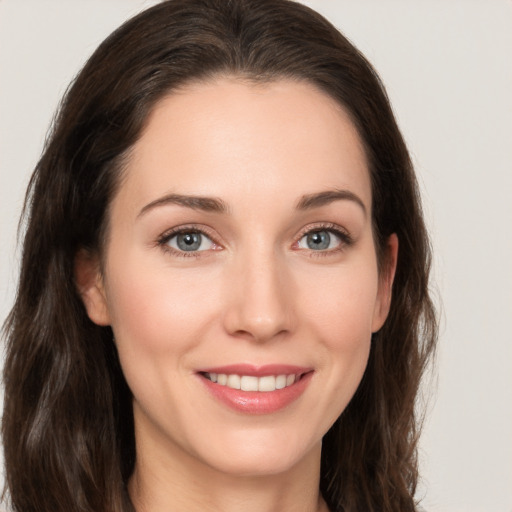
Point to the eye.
(190, 241)
(320, 240)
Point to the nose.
(260, 299)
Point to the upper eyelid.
(323, 226)
(187, 228)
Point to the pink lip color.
(258, 402)
(257, 371)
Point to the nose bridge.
(261, 304)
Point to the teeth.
(267, 383)
(233, 381)
(248, 383)
(280, 381)
(251, 383)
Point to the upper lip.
(257, 370)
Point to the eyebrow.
(318, 199)
(217, 205)
(206, 204)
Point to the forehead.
(231, 138)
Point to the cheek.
(339, 313)
(159, 320)
(157, 314)
(343, 321)
(341, 304)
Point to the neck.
(172, 479)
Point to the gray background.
(448, 69)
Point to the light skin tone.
(269, 186)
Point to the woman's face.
(241, 255)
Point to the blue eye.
(190, 241)
(320, 240)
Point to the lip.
(257, 402)
(257, 371)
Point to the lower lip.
(258, 402)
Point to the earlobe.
(89, 283)
(386, 278)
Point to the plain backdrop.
(447, 66)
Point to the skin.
(256, 294)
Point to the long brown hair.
(67, 423)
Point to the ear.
(387, 275)
(89, 282)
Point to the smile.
(256, 389)
(252, 383)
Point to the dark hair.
(67, 423)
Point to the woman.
(230, 305)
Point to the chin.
(260, 457)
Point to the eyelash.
(346, 239)
(164, 239)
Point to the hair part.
(68, 424)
